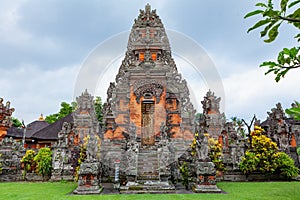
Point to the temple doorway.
(148, 136)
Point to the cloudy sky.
(44, 45)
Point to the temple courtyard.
(148, 141)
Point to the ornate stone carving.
(88, 181)
(202, 147)
(212, 121)
(132, 151)
(148, 89)
(5, 117)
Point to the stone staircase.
(148, 178)
(148, 168)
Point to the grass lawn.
(245, 190)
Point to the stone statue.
(202, 147)
(91, 148)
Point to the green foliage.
(16, 122)
(239, 126)
(285, 165)
(263, 156)
(44, 161)
(98, 108)
(287, 59)
(65, 110)
(216, 155)
(294, 111)
(186, 174)
(298, 150)
(81, 159)
(272, 19)
(28, 162)
(198, 116)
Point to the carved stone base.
(148, 187)
(88, 179)
(88, 190)
(206, 189)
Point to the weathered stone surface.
(5, 117)
(11, 153)
(148, 91)
(89, 179)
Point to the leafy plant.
(44, 161)
(216, 154)
(28, 162)
(294, 111)
(286, 166)
(16, 122)
(82, 157)
(298, 150)
(98, 108)
(287, 59)
(186, 174)
(263, 156)
(272, 19)
(65, 110)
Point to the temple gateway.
(148, 116)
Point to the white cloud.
(251, 92)
(34, 91)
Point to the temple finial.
(148, 8)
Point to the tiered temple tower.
(5, 117)
(148, 96)
(212, 121)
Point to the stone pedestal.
(206, 178)
(88, 180)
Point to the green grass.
(245, 190)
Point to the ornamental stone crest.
(148, 89)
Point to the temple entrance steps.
(148, 177)
(147, 166)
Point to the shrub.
(44, 161)
(263, 156)
(186, 174)
(286, 165)
(28, 162)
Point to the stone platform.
(148, 187)
(206, 189)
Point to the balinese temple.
(147, 104)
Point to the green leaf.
(293, 3)
(261, 5)
(259, 24)
(268, 63)
(256, 12)
(271, 13)
(283, 5)
(273, 33)
(265, 31)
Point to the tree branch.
(289, 19)
(290, 67)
